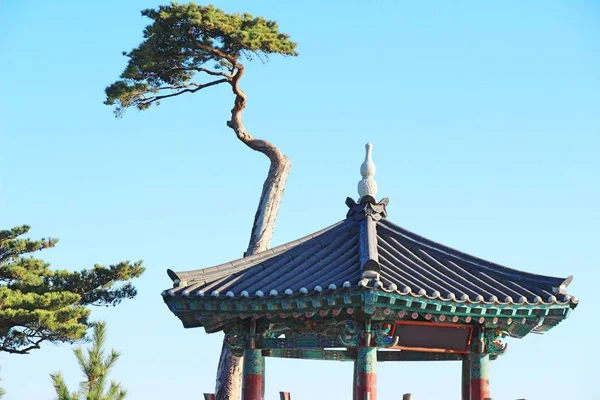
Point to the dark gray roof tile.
(404, 262)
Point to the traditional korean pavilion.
(366, 290)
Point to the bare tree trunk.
(268, 206)
(229, 375)
(229, 372)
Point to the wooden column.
(480, 377)
(366, 374)
(253, 381)
(465, 384)
(355, 379)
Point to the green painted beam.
(336, 355)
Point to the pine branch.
(197, 87)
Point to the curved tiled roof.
(330, 255)
(366, 250)
(413, 264)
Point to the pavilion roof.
(367, 251)
(370, 265)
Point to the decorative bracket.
(494, 346)
(383, 334)
(348, 334)
(235, 339)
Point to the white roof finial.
(367, 186)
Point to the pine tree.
(2, 392)
(95, 367)
(189, 48)
(38, 304)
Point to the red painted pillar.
(466, 378)
(480, 377)
(366, 374)
(253, 380)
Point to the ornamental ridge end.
(367, 207)
(367, 190)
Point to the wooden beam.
(303, 342)
(350, 355)
(306, 354)
(391, 355)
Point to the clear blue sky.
(485, 117)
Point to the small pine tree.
(95, 367)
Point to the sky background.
(485, 120)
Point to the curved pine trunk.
(268, 206)
(229, 372)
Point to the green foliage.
(184, 39)
(62, 391)
(95, 368)
(2, 392)
(39, 304)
